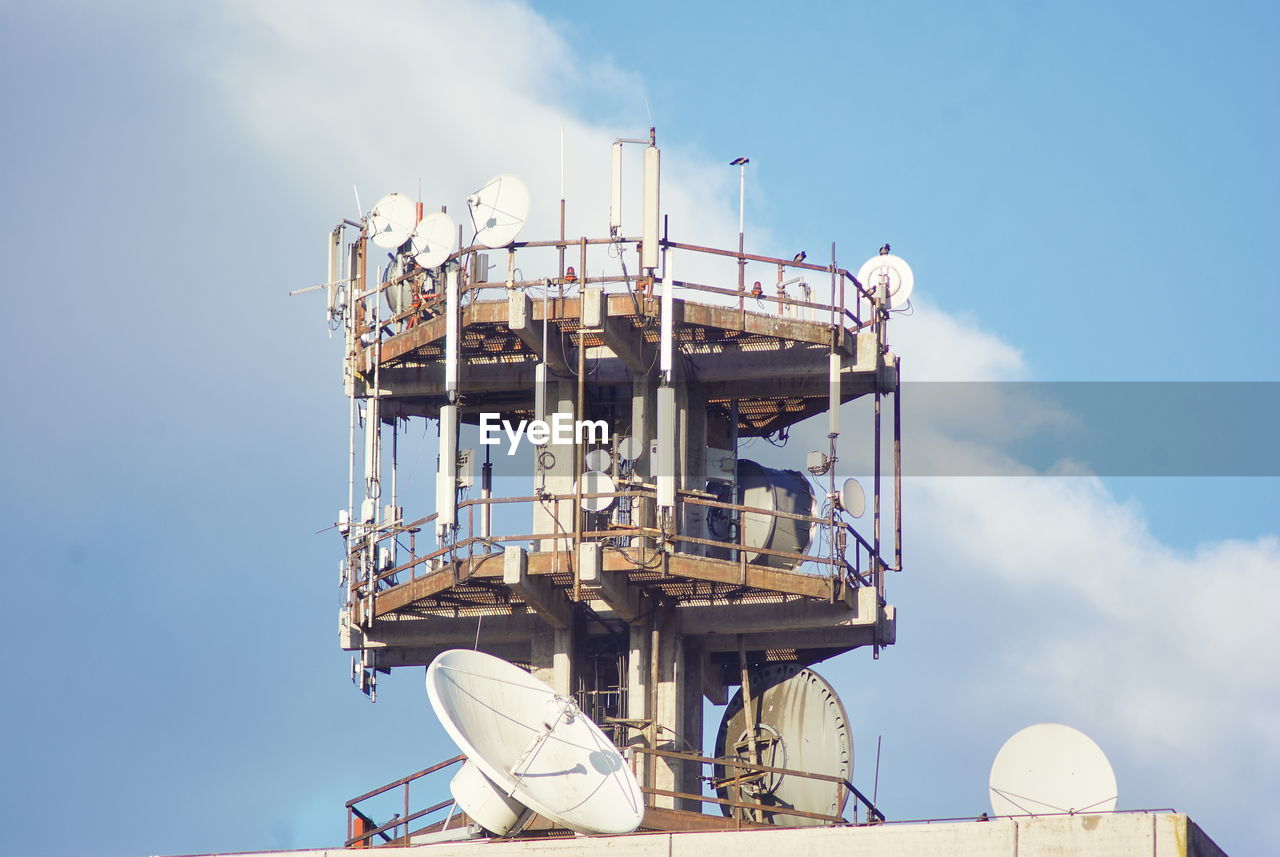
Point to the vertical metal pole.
(897, 468)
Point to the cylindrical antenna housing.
(615, 198)
(652, 216)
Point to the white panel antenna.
(532, 746)
(499, 210)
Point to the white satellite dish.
(888, 275)
(499, 210)
(433, 239)
(1050, 768)
(630, 449)
(853, 498)
(596, 482)
(599, 459)
(531, 746)
(392, 220)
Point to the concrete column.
(559, 477)
(691, 453)
(551, 658)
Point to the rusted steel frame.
(732, 763)
(397, 822)
(809, 519)
(772, 260)
(773, 810)
(821, 560)
(685, 284)
(873, 812)
(389, 786)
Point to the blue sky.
(1086, 192)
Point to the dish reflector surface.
(597, 482)
(392, 220)
(891, 273)
(499, 210)
(533, 744)
(433, 239)
(598, 459)
(853, 498)
(1050, 768)
(800, 723)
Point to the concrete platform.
(1164, 834)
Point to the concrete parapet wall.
(1108, 835)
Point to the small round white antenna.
(599, 459)
(853, 498)
(888, 275)
(533, 745)
(597, 482)
(433, 239)
(392, 220)
(630, 449)
(1050, 768)
(499, 210)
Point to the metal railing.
(362, 828)
(751, 772)
(846, 567)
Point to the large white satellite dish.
(533, 746)
(499, 210)
(433, 239)
(1050, 768)
(796, 721)
(392, 220)
(888, 275)
(597, 482)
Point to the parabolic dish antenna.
(599, 459)
(499, 210)
(433, 239)
(630, 449)
(392, 220)
(800, 724)
(1050, 768)
(596, 482)
(853, 498)
(889, 275)
(531, 745)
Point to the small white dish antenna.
(392, 220)
(888, 275)
(499, 210)
(596, 482)
(533, 747)
(1050, 768)
(853, 498)
(630, 449)
(433, 239)
(599, 459)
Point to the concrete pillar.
(691, 453)
(551, 658)
(555, 518)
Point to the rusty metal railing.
(362, 828)
(750, 771)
